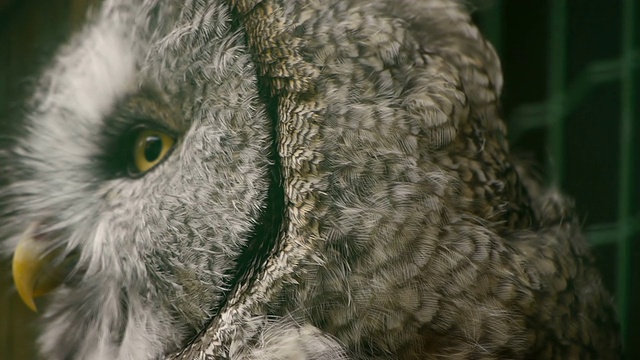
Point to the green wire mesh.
(563, 97)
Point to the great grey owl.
(289, 179)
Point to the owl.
(289, 179)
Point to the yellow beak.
(34, 270)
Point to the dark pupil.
(152, 148)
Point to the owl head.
(190, 165)
(137, 179)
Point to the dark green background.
(572, 100)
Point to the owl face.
(139, 176)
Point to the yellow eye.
(151, 146)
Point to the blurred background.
(571, 98)
(572, 102)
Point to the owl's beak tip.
(25, 268)
(31, 268)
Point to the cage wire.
(572, 99)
